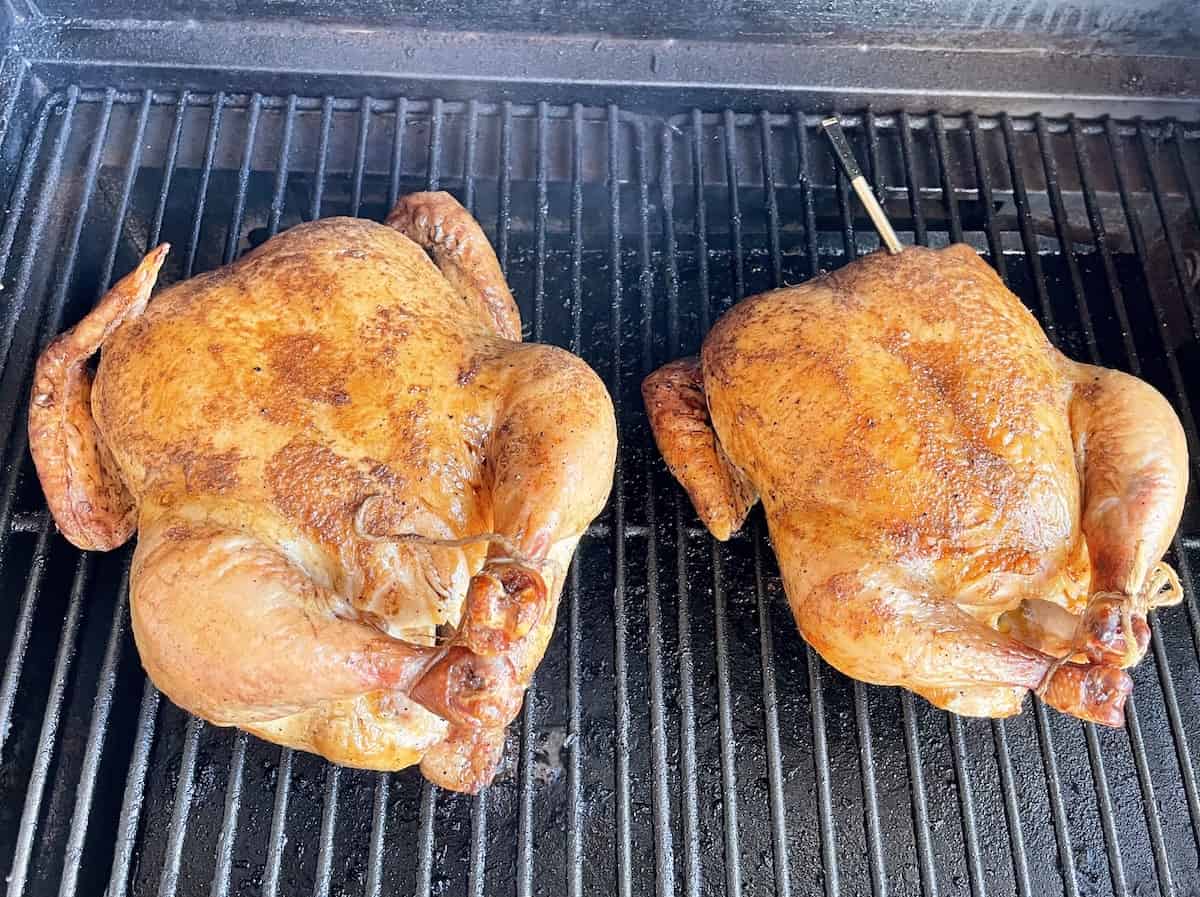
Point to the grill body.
(679, 737)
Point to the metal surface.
(679, 737)
(1160, 27)
(640, 74)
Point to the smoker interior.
(679, 737)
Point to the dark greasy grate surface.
(680, 738)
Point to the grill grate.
(679, 738)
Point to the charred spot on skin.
(200, 467)
(177, 533)
(467, 374)
(469, 678)
(310, 365)
(388, 326)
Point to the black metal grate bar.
(914, 196)
(135, 792)
(435, 145)
(223, 865)
(89, 185)
(401, 128)
(168, 882)
(1161, 864)
(689, 811)
(318, 192)
(170, 163)
(505, 185)
(379, 839)
(1025, 222)
(210, 149)
(620, 622)
(729, 794)
(278, 834)
(984, 183)
(693, 755)
(825, 816)
(475, 875)
(333, 775)
(779, 841)
(360, 155)
(664, 867)
(479, 809)
(281, 166)
(13, 69)
(574, 745)
(122, 209)
(425, 839)
(470, 142)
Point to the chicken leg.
(512, 603)
(881, 629)
(1132, 455)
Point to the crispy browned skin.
(268, 426)
(944, 489)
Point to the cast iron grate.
(679, 737)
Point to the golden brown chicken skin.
(956, 507)
(356, 492)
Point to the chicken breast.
(356, 492)
(956, 507)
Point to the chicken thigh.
(956, 507)
(356, 492)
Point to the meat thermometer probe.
(845, 157)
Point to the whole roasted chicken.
(356, 492)
(956, 507)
